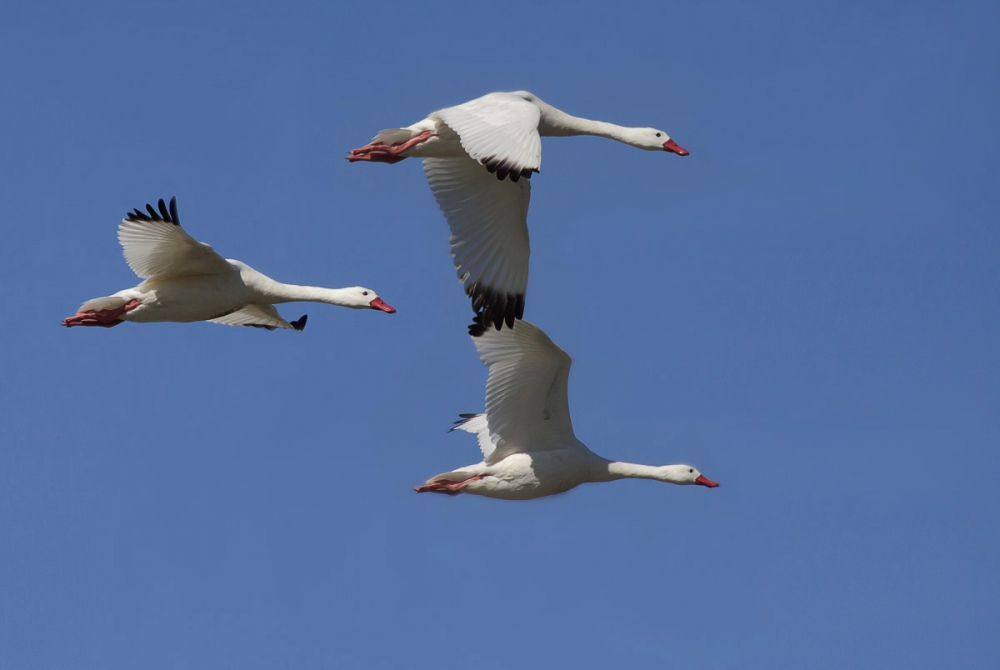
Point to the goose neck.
(277, 293)
(622, 470)
(557, 123)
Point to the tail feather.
(108, 302)
(478, 426)
(392, 136)
(453, 476)
(451, 483)
(470, 423)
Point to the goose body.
(526, 436)
(475, 156)
(186, 280)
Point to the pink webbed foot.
(105, 318)
(446, 486)
(379, 152)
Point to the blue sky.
(806, 309)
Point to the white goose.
(185, 280)
(487, 216)
(529, 449)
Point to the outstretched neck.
(575, 125)
(620, 470)
(276, 293)
(266, 290)
(557, 123)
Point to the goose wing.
(499, 131)
(527, 407)
(489, 234)
(155, 245)
(260, 316)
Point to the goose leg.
(447, 486)
(387, 153)
(105, 318)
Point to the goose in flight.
(529, 449)
(475, 155)
(186, 280)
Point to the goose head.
(652, 139)
(359, 297)
(685, 474)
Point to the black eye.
(690, 469)
(364, 293)
(658, 134)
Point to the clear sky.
(807, 308)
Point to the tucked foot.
(105, 318)
(379, 152)
(447, 486)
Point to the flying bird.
(186, 280)
(475, 156)
(529, 449)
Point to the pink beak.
(705, 481)
(670, 145)
(378, 303)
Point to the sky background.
(807, 308)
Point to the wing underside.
(489, 235)
(155, 245)
(527, 407)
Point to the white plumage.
(475, 155)
(186, 280)
(526, 436)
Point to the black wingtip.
(300, 324)
(164, 214)
(477, 328)
(505, 169)
(523, 172)
(495, 308)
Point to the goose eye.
(658, 134)
(690, 469)
(364, 293)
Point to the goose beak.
(705, 481)
(378, 303)
(670, 145)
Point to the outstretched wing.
(499, 131)
(527, 408)
(489, 234)
(155, 245)
(260, 316)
